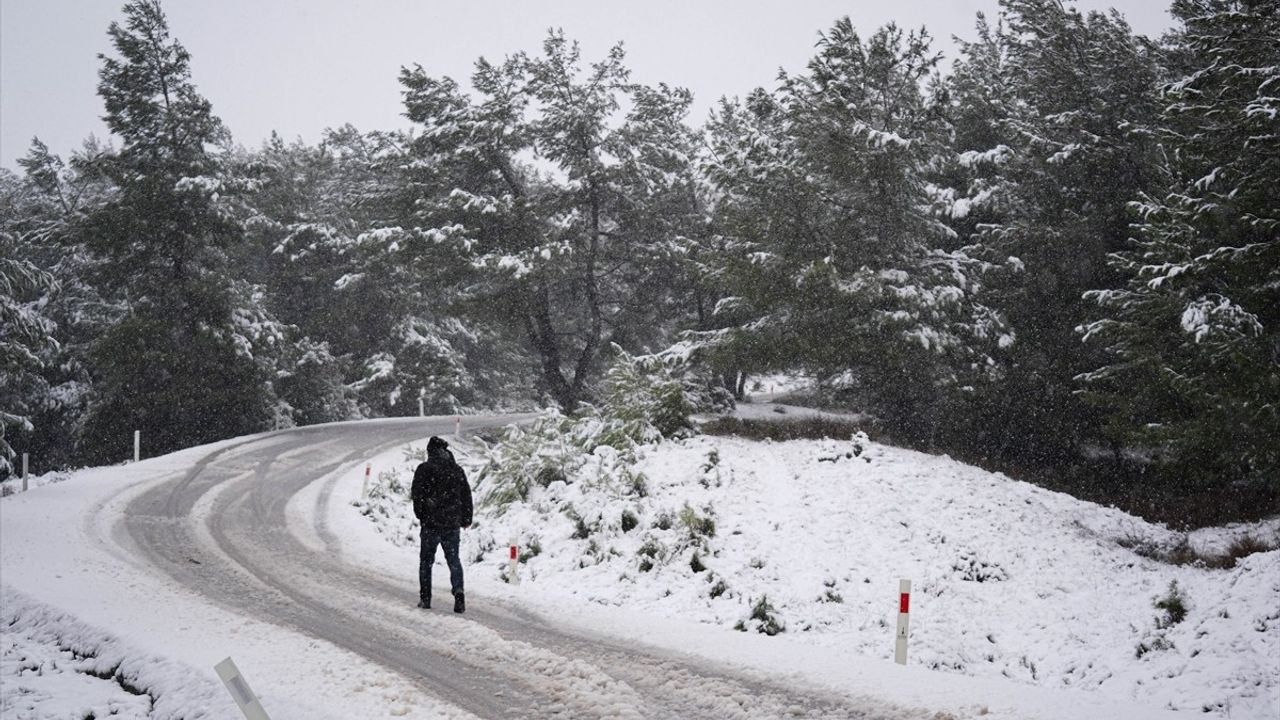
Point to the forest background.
(1059, 258)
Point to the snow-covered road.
(223, 530)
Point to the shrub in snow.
(629, 521)
(720, 587)
(387, 501)
(972, 568)
(581, 530)
(763, 618)
(698, 526)
(650, 549)
(830, 596)
(1174, 605)
(532, 550)
(695, 563)
(644, 389)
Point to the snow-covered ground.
(1025, 604)
(1011, 583)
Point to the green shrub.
(581, 530)
(1174, 605)
(651, 548)
(713, 460)
(764, 618)
(645, 390)
(643, 403)
(695, 564)
(633, 482)
(719, 588)
(629, 521)
(531, 550)
(698, 527)
(1160, 643)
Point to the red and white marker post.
(904, 609)
(512, 571)
(364, 489)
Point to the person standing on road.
(442, 502)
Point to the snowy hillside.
(810, 538)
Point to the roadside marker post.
(24, 472)
(457, 426)
(240, 691)
(364, 489)
(513, 571)
(422, 410)
(137, 445)
(904, 609)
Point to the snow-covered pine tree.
(1193, 336)
(557, 213)
(832, 242)
(1053, 110)
(42, 213)
(177, 366)
(304, 209)
(326, 243)
(24, 333)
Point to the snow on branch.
(1217, 317)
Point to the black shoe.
(459, 603)
(425, 604)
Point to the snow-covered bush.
(763, 618)
(386, 499)
(644, 403)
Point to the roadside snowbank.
(53, 665)
(1012, 582)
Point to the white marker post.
(24, 472)
(513, 571)
(457, 426)
(904, 608)
(137, 445)
(240, 691)
(364, 489)
(422, 410)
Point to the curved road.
(220, 529)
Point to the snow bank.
(1012, 582)
(55, 666)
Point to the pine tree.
(41, 212)
(179, 366)
(1053, 110)
(832, 240)
(573, 258)
(25, 332)
(1193, 336)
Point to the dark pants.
(448, 538)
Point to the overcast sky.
(299, 66)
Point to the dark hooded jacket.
(441, 495)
